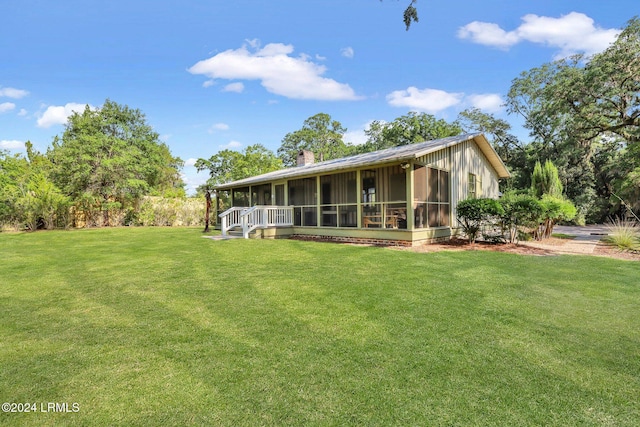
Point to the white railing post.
(255, 217)
(223, 225)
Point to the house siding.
(468, 158)
(458, 160)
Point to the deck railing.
(255, 217)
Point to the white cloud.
(237, 87)
(218, 127)
(11, 145)
(571, 33)
(10, 92)
(193, 179)
(425, 100)
(277, 71)
(22, 112)
(190, 162)
(355, 137)
(7, 106)
(57, 115)
(358, 136)
(231, 145)
(347, 52)
(489, 102)
(208, 83)
(488, 34)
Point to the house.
(399, 196)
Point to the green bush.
(475, 214)
(161, 211)
(522, 213)
(554, 210)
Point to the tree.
(408, 129)
(546, 186)
(108, 158)
(207, 214)
(320, 134)
(510, 149)
(554, 209)
(13, 170)
(229, 165)
(40, 202)
(410, 14)
(28, 198)
(545, 180)
(577, 105)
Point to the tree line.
(582, 114)
(96, 173)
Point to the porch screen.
(431, 197)
(303, 196)
(261, 194)
(241, 197)
(338, 196)
(383, 197)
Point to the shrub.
(161, 211)
(474, 214)
(522, 213)
(624, 234)
(554, 209)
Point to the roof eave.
(317, 168)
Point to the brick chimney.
(305, 157)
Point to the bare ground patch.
(549, 247)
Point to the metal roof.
(389, 155)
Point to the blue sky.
(216, 74)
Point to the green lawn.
(158, 326)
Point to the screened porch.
(372, 198)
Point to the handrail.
(250, 221)
(231, 218)
(258, 216)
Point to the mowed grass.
(159, 326)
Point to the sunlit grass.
(158, 326)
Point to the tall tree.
(228, 165)
(109, 158)
(575, 106)
(408, 129)
(545, 180)
(320, 134)
(510, 149)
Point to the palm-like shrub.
(624, 234)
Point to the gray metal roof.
(389, 155)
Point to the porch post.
(318, 208)
(410, 197)
(359, 199)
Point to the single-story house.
(403, 195)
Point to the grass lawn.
(158, 326)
